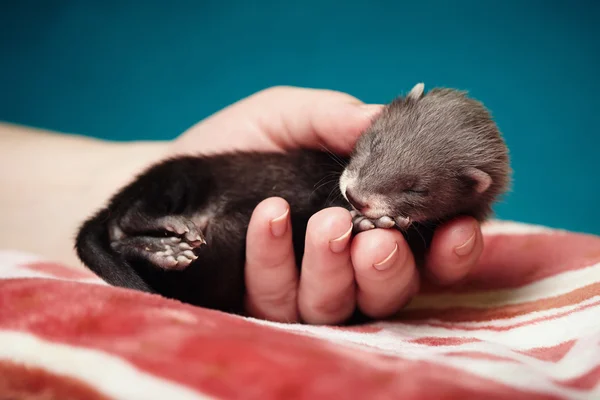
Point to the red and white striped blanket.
(524, 325)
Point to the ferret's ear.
(416, 92)
(482, 179)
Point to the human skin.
(51, 182)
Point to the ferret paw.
(175, 251)
(362, 223)
(166, 253)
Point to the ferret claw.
(189, 254)
(384, 222)
(185, 228)
(194, 236)
(365, 225)
(170, 260)
(361, 224)
(175, 229)
(402, 222)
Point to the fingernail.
(468, 246)
(371, 110)
(388, 261)
(279, 225)
(338, 245)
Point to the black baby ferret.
(179, 229)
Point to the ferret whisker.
(321, 180)
(422, 237)
(331, 153)
(328, 182)
(338, 195)
(335, 174)
(332, 175)
(327, 179)
(334, 157)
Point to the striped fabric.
(524, 325)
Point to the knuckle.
(334, 306)
(281, 297)
(262, 256)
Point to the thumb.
(313, 118)
(282, 118)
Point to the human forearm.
(50, 182)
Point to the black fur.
(420, 143)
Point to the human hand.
(376, 270)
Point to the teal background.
(148, 70)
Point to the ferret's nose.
(355, 202)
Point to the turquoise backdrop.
(148, 70)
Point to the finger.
(454, 251)
(385, 272)
(327, 289)
(271, 272)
